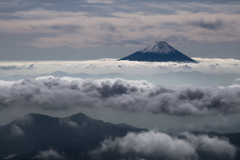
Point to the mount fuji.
(158, 52)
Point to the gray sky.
(93, 29)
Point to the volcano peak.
(159, 47)
(160, 51)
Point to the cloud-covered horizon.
(100, 66)
(156, 145)
(52, 93)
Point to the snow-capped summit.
(158, 52)
(160, 47)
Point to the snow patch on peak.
(160, 47)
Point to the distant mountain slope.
(158, 52)
(36, 132)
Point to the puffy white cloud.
(219, 147)
(50, 93)
(48, 154)
(16, 131)
(151, 144)
(155, 145)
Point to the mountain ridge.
(62, 137)
(35, 132)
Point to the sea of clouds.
(205, 65)
(53, 93)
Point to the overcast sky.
(93, 29)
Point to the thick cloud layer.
(162, 146)
(50, 93)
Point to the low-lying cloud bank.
(155, 145)
(50, 93)
(205, 65)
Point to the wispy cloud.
(49, 154)
(16, 131)
(237, 81)
(100, 1)
(25, 120)
(220, 125)
(68, 122)
(16, 66)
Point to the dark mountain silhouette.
(158, 52)
(37, 132)
(74, 138)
